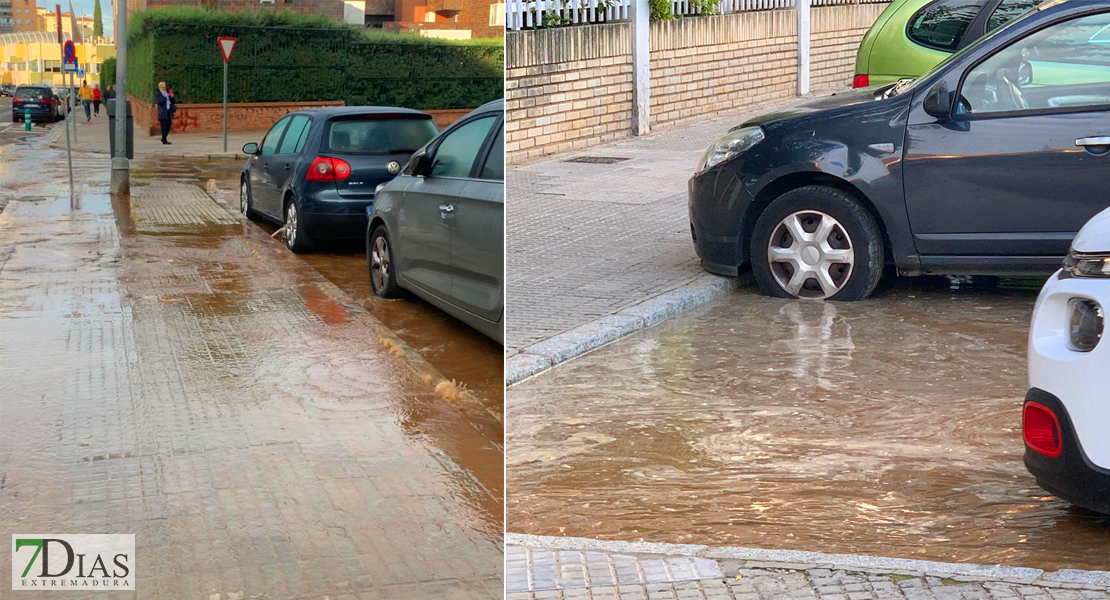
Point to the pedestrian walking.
(86, 96)
(110, 94)
(166, 108)
(96, 100)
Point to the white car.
(1066, 420)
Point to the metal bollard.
(26, 119)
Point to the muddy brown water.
(888, 427)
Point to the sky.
(84, 8)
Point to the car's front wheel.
(817, 242)
(379, 255)
(296, 237)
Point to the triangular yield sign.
(227, 45)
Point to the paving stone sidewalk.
(591, 240)
(93, 136)
(570, 571)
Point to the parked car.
(315, 170)
(912, 36)
(7, 89)
(966, 170)
(437, 230)
(1066, 415)
(41, 101)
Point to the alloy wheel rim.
(291, 225)
(379, 263)
(243, 202)
(811, 255)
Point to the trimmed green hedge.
(284, 56)
(108, 73)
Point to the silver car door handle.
(447, 208)
(1102, 140)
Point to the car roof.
(330, 111)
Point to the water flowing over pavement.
(887, 427)
(168, 370)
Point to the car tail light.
(861, 81)
(1041, 429)
(48, 102)
(326, 168)
(17, 100)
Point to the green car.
(913, 36)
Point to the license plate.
(31, 105)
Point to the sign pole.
(227, 46)
(121, 167)
(225, 107)
(69, 149)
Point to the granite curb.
(803, 560)
(534, 359)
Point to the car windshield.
(30, 93)
(374, 134)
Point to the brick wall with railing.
(570, 88)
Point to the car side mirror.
(250, 148)
(938, 102)
(1025, 73)
(420, 164)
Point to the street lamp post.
(121, 167)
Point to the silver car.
(437, 229)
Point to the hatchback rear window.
(374, 134)
(941, 25)
(31, 93)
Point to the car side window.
(1063, 66)
(304, 136)
(270, 142)
(459, 149)
(941, 25)
(1008, 10)
(293, 134)
(495, 160)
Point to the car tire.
(846, 264)
(245, 201)
(379, 258)
(296, 235)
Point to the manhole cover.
(597, 160)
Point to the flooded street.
(169, 370)
(887, 427)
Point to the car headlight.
(731, 144)
(1085, 322)
(1087, 265)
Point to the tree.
(98, 20)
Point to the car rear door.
(1020, 167)
(284, 162)
(477, 233)
(426, 216)
(264, 190)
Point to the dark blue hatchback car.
(315, 171)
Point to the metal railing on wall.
(536, 14)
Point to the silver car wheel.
(811, 255)
(379, 263)
(291, 225)
(244, 202)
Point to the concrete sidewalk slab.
(554, 567)
(600, 244)
(93, 136)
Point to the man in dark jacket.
(166, 108)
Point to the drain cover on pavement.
(597, 160)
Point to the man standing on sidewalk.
(86, 96)
(164, 98)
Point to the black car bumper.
(719, 208)
(335, 226)
(37, 115)
(1070, 476)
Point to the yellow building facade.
(36, 58)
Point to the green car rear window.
(1008, 10)
(941, 25)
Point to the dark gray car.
(437, 230)
(988, 164)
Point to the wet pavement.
(889, 427)
(169, 370)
